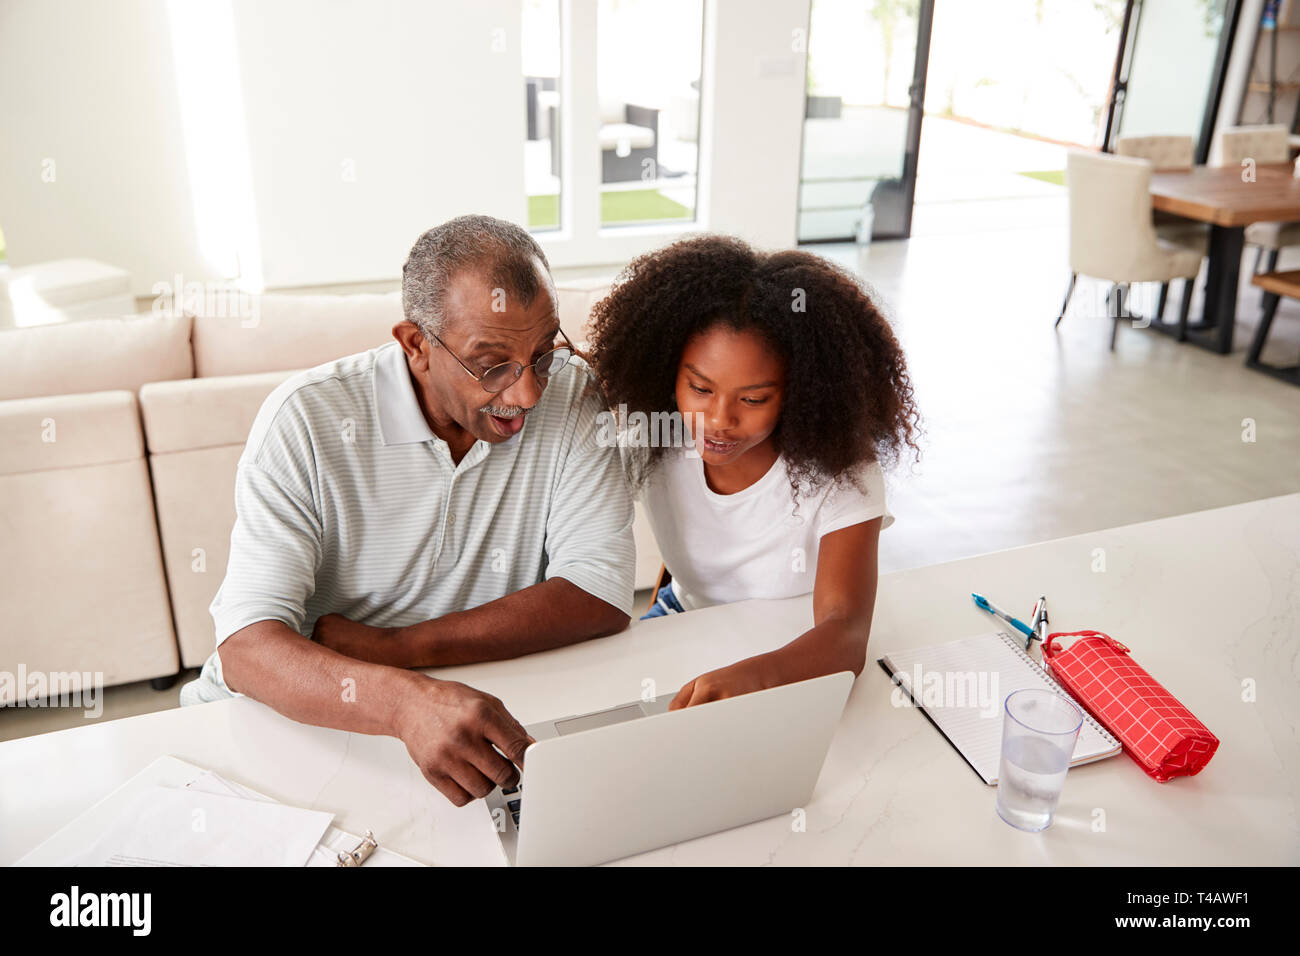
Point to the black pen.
(1034, 617)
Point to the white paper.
(334, 842)
(166, 826)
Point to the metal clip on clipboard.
(360, 853)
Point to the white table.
(1206, 601)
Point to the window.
(648, 55)
(541, 54)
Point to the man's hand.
(743, 677)
(450, 729)
(361, 641)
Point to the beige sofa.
(120, 527)
(81, 578)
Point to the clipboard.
(337, 847)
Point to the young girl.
(792, 390)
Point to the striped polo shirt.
(347, 502)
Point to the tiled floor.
(1032, 433)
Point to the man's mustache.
(512, 411)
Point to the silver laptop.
(603, 786)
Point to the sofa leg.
(163, 683)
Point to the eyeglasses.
(500, 377)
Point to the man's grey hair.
(504, 252)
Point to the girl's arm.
(844, 597)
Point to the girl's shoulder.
(863, 480)
(856, 494)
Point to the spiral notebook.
(953, 685)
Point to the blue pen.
(992, 608)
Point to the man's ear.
(412, 341)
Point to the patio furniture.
(542, 108)
(542, 97)
(823, 107)
(629, 135)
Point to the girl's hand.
(743, 677)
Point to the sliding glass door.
(862, 123)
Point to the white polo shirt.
(346, 502)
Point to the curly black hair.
(847, 385)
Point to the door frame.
(1128, 36)
(912, 144)
(916, 112)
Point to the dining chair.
(1263, 144)
(1111, 234)
(1167, 153)
(1164, 152)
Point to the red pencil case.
(1157, 731)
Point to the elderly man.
(438, 500)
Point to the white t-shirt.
(751, 544)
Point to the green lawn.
(1054, 176)
(636, 205)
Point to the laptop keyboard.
(513, 805)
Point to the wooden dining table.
(1229, 198)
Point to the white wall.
(304, 143)
(86, 100)
(757, 110)
(411, 94)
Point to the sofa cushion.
(203, 412)
(83, 577)
(96, 355)
(280, 332)
(68, 431)
(194, 492)
(577, 297)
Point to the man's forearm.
(551, 614)
(312, 684)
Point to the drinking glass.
(1039, 730)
